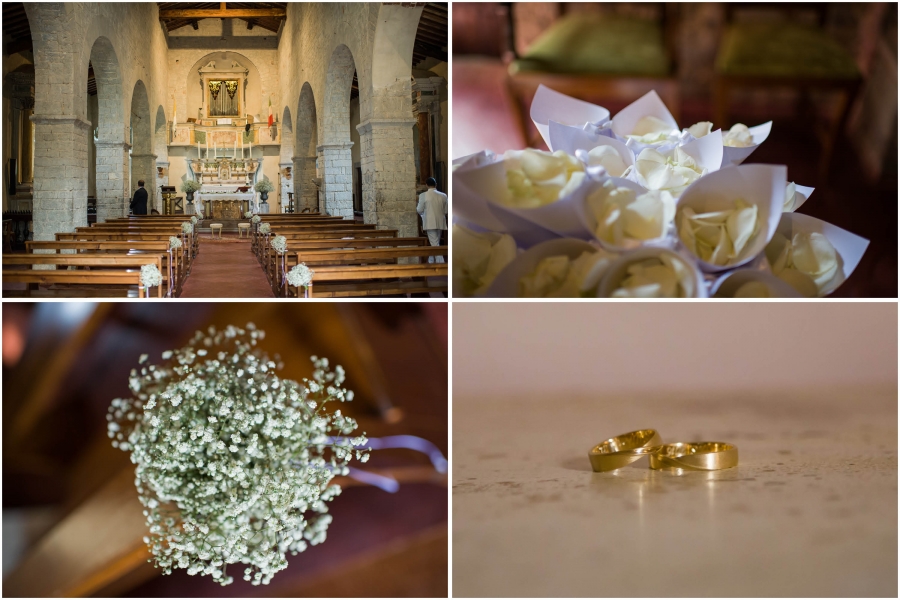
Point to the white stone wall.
(64, 35)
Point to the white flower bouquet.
(193, 219)
(264, 228)
(255, 219)
(279, 243)
(174, 242)
(187, 227)
(233, 463)
(150, 276)
(637, 183)
(300, 275)
(248, 214)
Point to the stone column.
(389, 174)
(306, 192)
(143, 166)
(338, 179)
(60, 174)
(113, 194)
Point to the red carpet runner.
(226, 269)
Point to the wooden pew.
(122, 247)
(354, 256)
(87, 280)
(266, 255)
(98, 262)
(374, 280)
(124, 236)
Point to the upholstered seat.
(598, 44)
(786, 54)
(214, 227)
(242, 227)
(783, 50)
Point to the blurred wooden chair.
(594, 56)
(785, 54)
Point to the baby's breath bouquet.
(150, 276)
(187, 227)
(193, 219)
(264, 228)
(234, 464)
(255, 219)
(279, 243)
(174, 242)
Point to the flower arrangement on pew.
(174, 242)
(300, 276)
(255, 219)
(633, 206)
(279, 244)
(150, 277)
(248, 214)
(264, 228)
(194, 219)
(187, 227)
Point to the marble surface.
(811, 510)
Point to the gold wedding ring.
(624, 449)
(698, 456)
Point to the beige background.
(680, 346)
(807, 392)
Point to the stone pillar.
(424, 146)
(60, 174)
(27, 167)
(306, 192)
(143, 166)
(113, 194)
(338, 179)
(389, 174)
(162, 178)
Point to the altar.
(228, 208)
(225, 191)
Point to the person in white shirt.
(433, 208)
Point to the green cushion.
(783, 50)
(596, 44)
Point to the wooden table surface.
(811, 510)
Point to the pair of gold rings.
(624, 449)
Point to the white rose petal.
(738, 137)
(478, 258)
(701, 129)
(608, 158)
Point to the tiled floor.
(482, 118)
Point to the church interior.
(72, 521)
(325, 120)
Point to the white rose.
(738, 137)
(608, 158)
(719, 237)
(655, 171)
(650, 130)
(536, 178)
(478, 258)
(561, 277)
(622, 215)
(808, 262)
(660, 277)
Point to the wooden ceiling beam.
(231, 13)
(430, 51)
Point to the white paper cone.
(707, 151)
(849, 246)
(571, 139)
(762, 185)
(648, 105)
(801, 195)
(479, 159)
(586, 213)
(727, 285)
(735, 156)
(506, 285)
(560, 217)
(619, 270)
(550, 105)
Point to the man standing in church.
(433, 208)
(139, 201)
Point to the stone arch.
(161, 149)
(387, 155)
(285, 163)
(336, 156)
(112, 145)
(143, 160)
(306, 140)
(251, 103)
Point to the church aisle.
(226, 270)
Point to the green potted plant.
(189, 186)
(264, 186)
